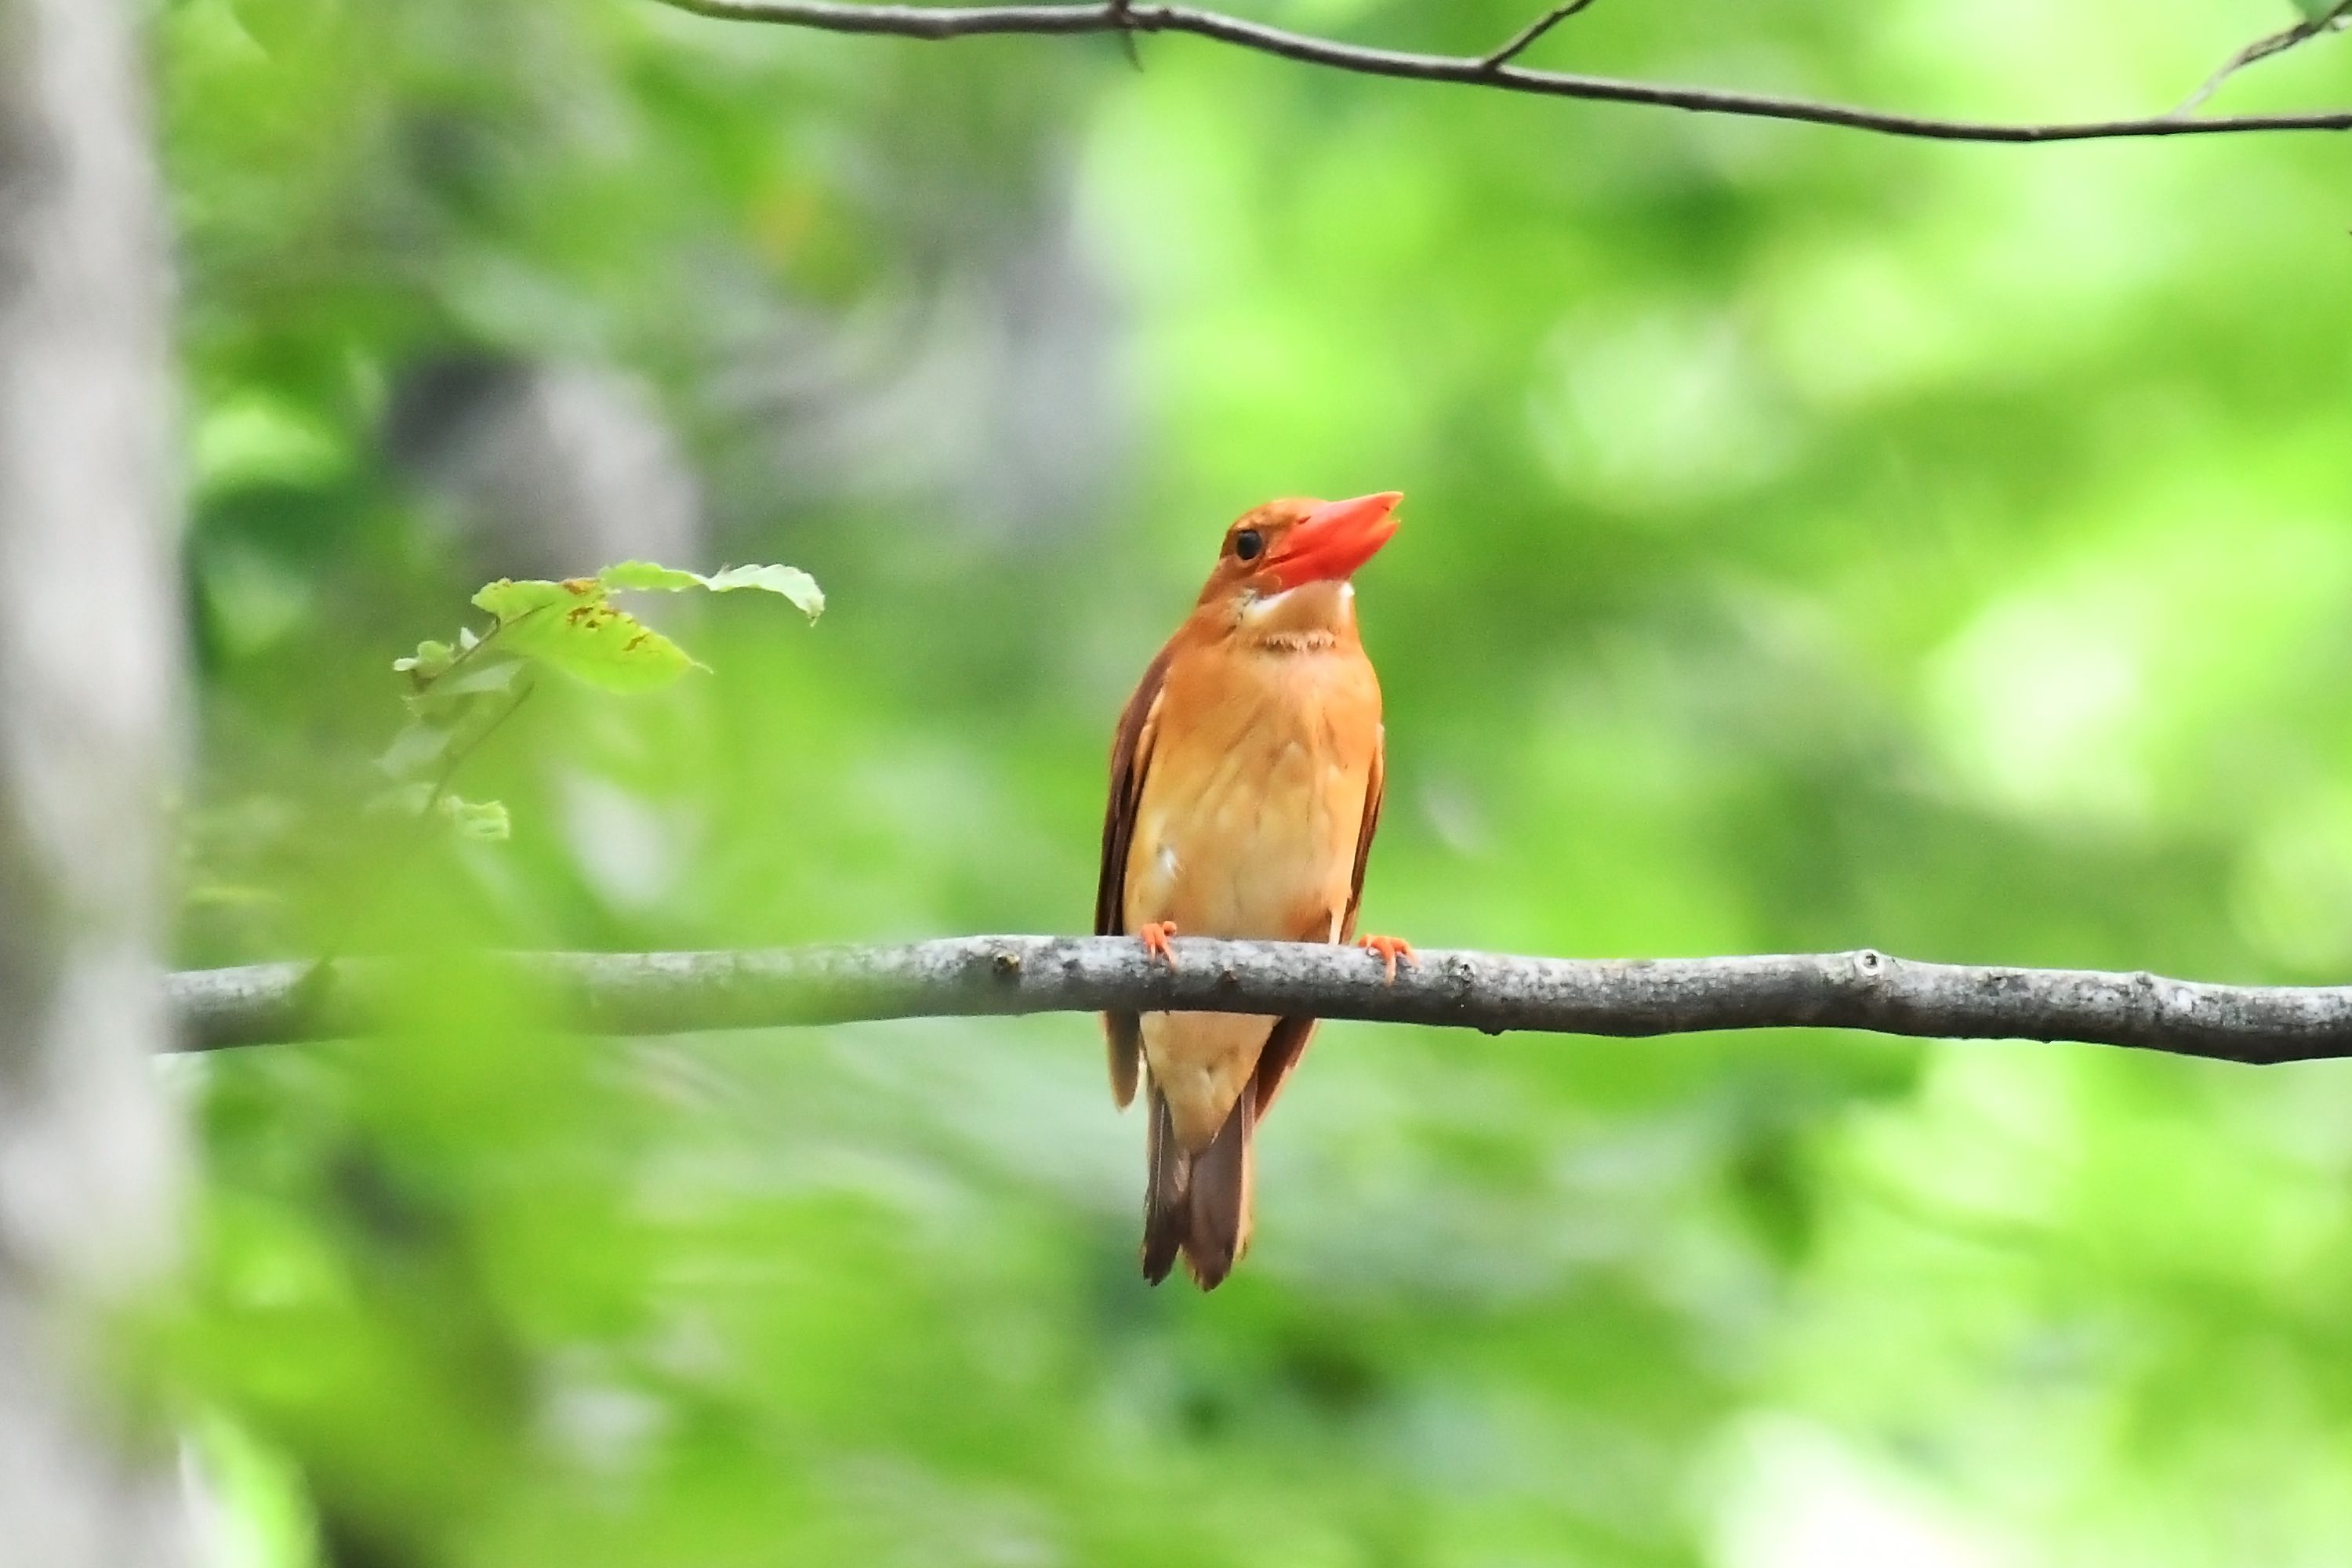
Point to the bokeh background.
(1813, 540)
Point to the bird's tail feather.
(1198, 1206)
(1169, 1172)
(1220, 1196)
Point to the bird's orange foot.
(1154, 935)
(1391, 948)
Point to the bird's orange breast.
(1248, 825)
(1248, 822)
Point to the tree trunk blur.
(89, 645)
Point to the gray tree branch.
(677, 993)
(1127, 18)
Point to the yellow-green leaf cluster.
(573, 626)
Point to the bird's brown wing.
(1374, 788)
(1287, 1042)
(1131, 758)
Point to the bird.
(1245, 782)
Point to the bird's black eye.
(1249, 544)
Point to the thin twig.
(676, 992)
(1524, 38)
(956, 22)
(2278, 43)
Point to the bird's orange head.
(1286, 545)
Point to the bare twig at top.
(1128, 17)
(2277, 43)
(1526, 36)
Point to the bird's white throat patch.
(1304, 619)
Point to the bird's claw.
(1389, 949)
(1154, 935)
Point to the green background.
(1812, 541)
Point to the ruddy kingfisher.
(1244, 787)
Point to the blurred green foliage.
(1812, 541)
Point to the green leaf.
(789, 581)
(576, 626)
(595, 641)
(510, 601)
(647, 575)
(573, 628)
(483, 821)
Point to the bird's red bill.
(1335, 539)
